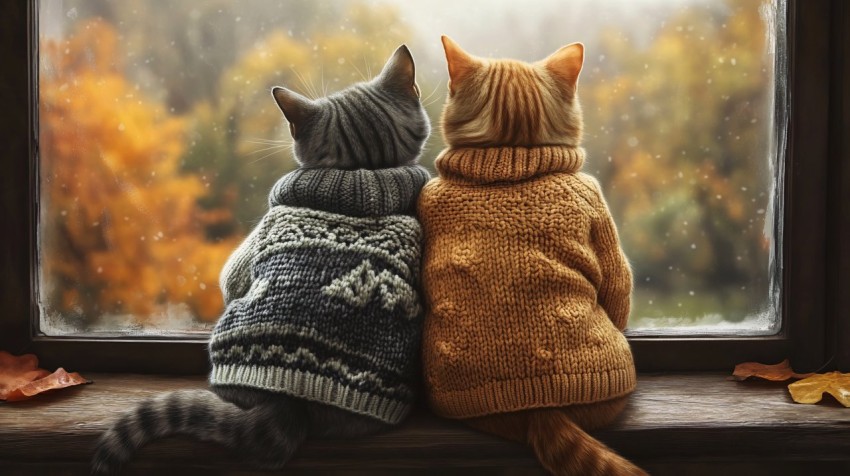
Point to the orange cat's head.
(512, 103)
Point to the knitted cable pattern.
(526, 286)
(323, 305)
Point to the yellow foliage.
(121, 233)
(327, 63)
(684, 120)
(255, 151)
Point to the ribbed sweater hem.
(536, 392)
(312, 387)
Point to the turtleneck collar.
(507, 164)
(360, 192)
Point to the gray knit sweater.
(322, 298)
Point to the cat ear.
(400, 72)
(296, 108)
(460, 63)
(566, 64)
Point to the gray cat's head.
(371, 125)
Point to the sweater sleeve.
(235, 277)
(615, 289)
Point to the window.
(157, 142)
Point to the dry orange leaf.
(775, 373)
(811, 390)
(56, 380)
(20, 377)
(18, 371)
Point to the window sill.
(673, 421)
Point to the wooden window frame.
(815, 248)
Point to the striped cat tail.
(269, 433)
(563, 448)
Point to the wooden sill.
(673, 421)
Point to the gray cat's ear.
(296, 108)
(400, 72)
(565, 64)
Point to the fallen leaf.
(16, 371)
(775, 373)
(20, 377)
(811, 389)
(56, 380)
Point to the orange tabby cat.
(513, 131)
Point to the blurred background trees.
(124, 230)
(686, 124)
(160, 140)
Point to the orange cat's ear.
(566, 63)
(460, 63)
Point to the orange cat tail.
(565, 449)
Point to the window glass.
(159, 140)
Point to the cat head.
(370, 125)
(512, 103)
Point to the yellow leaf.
(811, 390)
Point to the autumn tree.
(122, 232)
(680, 130)
(240, 140)
(179, 49)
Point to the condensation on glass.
(158, 141)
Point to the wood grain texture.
(672, 420)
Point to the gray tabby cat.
(286, 370)
(369, 125)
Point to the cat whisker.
(437, 99)
(312, 87)
(359, 72)
(426, 98)
(261, 144)
(280, 146)
(368, 68)
(269, 144)
(265, 156)
(268, 141)
(307, 87)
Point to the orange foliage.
(123, 232)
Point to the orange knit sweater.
(526, 285)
